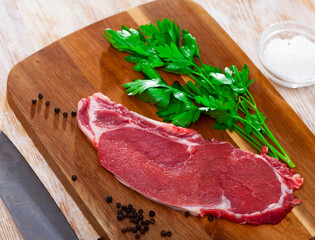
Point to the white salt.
(294, 58)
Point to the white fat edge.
(84, 129)
(99, 131)
(162, 124)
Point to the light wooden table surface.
(29, 25)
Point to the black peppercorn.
(142, 231)
(128, 210)
(40, 96)
(120, 217)
(34, 101)
(169, 233)
(74, 177)
(146, 227)
(152, 221)
(124, 230)
(129, 215)
(163, 233)
(129, 229)
(123, 207)
(136, 221)
(65, 114)
(130, 206)
(187, 214)
(151, 213)
(137, 236)
(57, 109)
(134, 229)
(140, 211)
(147, 222)
(135, 215)
(118, 205)
(119, 211)
(109, 199)
(140, 217)
(73, 113)
(100, 239)
(133, 210)
(210, 218)
(138, 226)
(143, 223)
(47, 103)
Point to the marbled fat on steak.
(176, 167)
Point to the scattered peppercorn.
(34, 101)
(73, 113)
(140, 217)
(142, 231)
(129, 229)
(147, 222)
(138, 226)
(210, 218)
(119, 211)
(128, 210)
(123, 207)
(74, 177)
(135, 215)
(143, 223)
(129, 215)
(140, 211)
(151, 213)
(163, 233)
(137, 236)
(57, 109)
(146, 227)
(187, 214)
(136, 221)
(124, 230)
(40, 96)
(118, 205)
(47, 103)
(133, 210)
(120, 217)
(65, 114)
(134, 230)
(109, 199)
(152, 221)
(130, 206)
(100, 239)
(169, 233)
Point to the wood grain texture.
(27, 26)
(8, 228)
(83, 63)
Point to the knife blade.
(34, 211)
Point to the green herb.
(223, 95)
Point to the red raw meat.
(176, 167)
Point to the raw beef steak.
(176, 167)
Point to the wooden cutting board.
(84, 63)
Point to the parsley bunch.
(223, 95)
